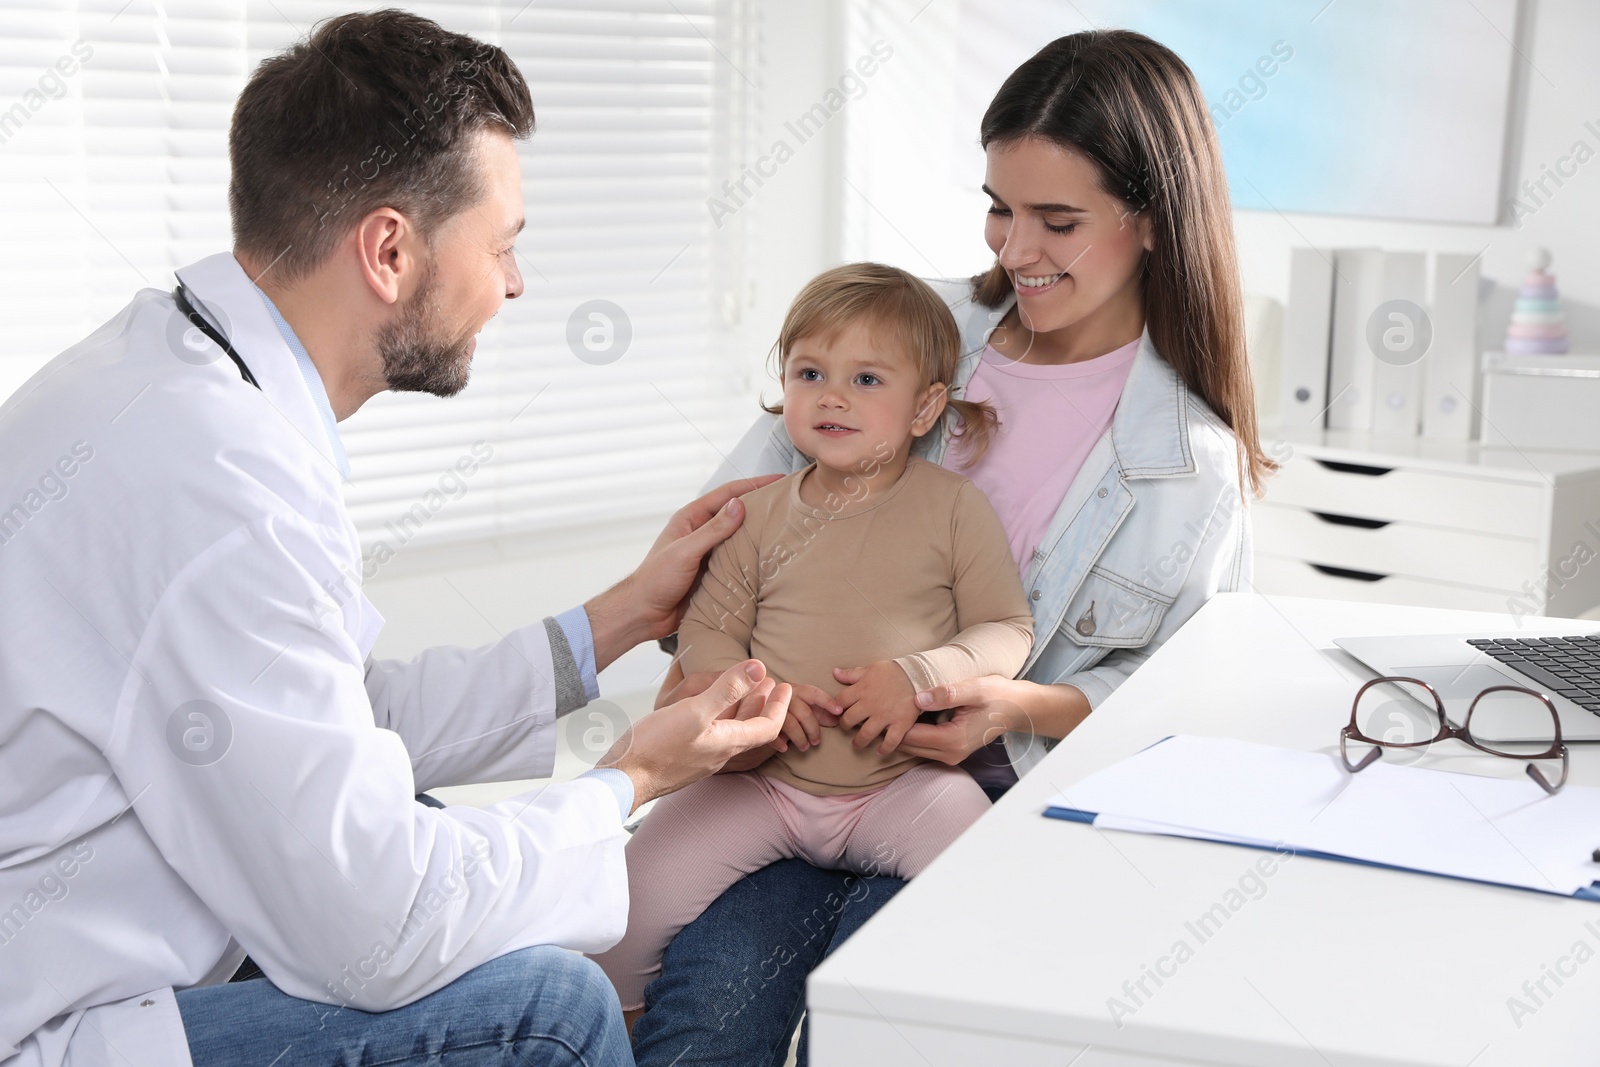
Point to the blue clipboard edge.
(1590, 892)
(1074, 815)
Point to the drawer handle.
(1353, 468)
(1346, 572)
(1351, 520)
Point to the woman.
(1109, 333)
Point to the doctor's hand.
(811, 710)
(684, 742)
(648, 603)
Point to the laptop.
(1460, 666)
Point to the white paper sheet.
(1504, 830)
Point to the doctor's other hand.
(811, 711)
(684, 742)
(648, 603)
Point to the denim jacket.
(1152, 526)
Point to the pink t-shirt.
(1051, 416)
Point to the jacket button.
(1101, 493)
(1037, 594)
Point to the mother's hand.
(985, 708)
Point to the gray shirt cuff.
(580, 638)
(571, 689)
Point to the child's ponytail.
(975, 426)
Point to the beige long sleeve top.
(919, 573)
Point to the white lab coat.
(169, 534)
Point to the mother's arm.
(1220, 563)
(986, 708)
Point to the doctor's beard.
(415, 358)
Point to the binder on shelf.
(1357, 292)
(1303, 396)
(1451, 389)
(1397, 372)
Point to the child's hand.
(810, 711)
(878, 699)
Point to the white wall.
(1561, 92)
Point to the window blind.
(123, 179)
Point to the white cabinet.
(1406, 520)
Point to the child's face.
(857, 400)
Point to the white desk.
(1008, 949)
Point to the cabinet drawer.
(1399, 494)
(1294, 577)
(1396, 548)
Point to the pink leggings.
(702, 839)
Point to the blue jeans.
(536, 1006)
(733, 982)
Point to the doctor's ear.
(386, 247)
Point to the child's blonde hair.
(891, 299)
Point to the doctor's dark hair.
(372, 110)
(1131, 107)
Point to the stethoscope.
(181, 298)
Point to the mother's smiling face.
(1073, 251)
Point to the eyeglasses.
(1511, 711)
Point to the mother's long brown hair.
(1131, 106)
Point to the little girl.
(870, 567)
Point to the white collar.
(313, 379)
(219, 289)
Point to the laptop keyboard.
(1567, 666)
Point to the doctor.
(197, 757)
